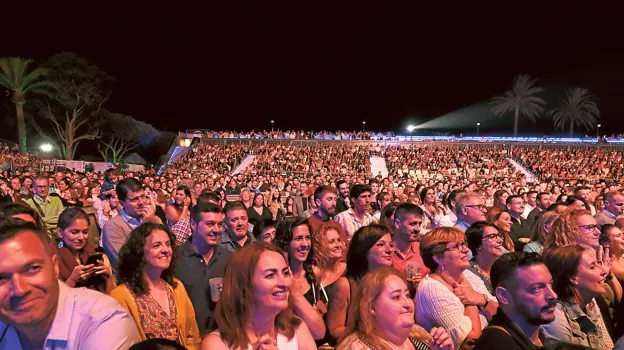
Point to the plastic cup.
(216, 285)
(411, 269)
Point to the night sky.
(324, 66)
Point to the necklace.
(478, 268)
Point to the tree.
(14, 76)
(578, 109)
(122, 134)
(81, 89)
(521, 100)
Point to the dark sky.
(323, 66)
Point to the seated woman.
(253, 310)
(502, 220)
(577, 226)
(157, 302)
(486, 244)
(578, 278)
(383, 317)
(541, 231)
(444, 297)
(74, 250)
(370, 249)
(258, 211)
(329, 259)
(294, 238)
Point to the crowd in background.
(306, 248)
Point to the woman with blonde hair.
(254, 309)
(329, 258)
(445, 298)
(541, 232)
(383, 317)
(573, 226)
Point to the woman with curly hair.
(157, 301)
(329, 248)
(293, 236)
(574, 226)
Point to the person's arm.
(173, 216)
(305, 341)
(113, 239)
(475, 332)
(338, 307)
(615, 285)
(478, 295)
(310, 316)
(618, 271)
(444, 310)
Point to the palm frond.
(578, 109)
(521, 96)
(33, 76)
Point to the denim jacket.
(572, 325)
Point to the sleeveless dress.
(283, 343)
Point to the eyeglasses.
(493, 236)
(460, 247)
(478, 206)
(590, 227)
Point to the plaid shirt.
(182, 230)
(350, 223)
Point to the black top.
(255, 218)
(340, 205)
(195, 273)
(519, 229)
(512, 339)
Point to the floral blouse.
(154, 320)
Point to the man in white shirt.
(37, 311)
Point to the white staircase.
(245, 163)
(529, 175)
(378, 165)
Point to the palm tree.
(578, 109)
(14, 77)
(521, 100)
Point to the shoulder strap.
(38, 207)
(499, 328)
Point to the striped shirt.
(350, 223)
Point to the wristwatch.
(486, 302)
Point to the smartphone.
(94, 258)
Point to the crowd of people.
(300, 135)
(305, 248)
(337, 160)
(10, 157)
(462, 163)
(555, 164)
